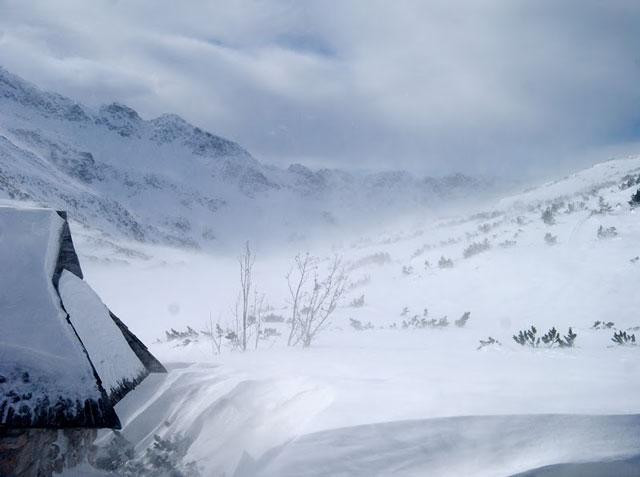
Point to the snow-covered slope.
(488, 445)
(164, 180)
(414, 386)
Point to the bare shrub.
(215, 335)
(314, 298)
(255, 318)
(246, 260)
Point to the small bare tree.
(215, 334)
(246, 260)
(234, 334)
(314, 298)
(258, 309)
(297, 280)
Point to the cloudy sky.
(499, 87)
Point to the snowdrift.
(475, 445)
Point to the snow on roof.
(114, 360)
(64, 361)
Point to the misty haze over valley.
(293, 239)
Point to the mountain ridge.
(167, 181)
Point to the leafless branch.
(246, 260)
(313, 305)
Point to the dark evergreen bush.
(623, 339)
(601, 325)
(609, 232)
(629, 181)
(164, 458)
(488, 342)
(547, 216)
(462, 321)
(527, 337)
(359, 325)
(569, 339)
(115, 454)
(269, 333)
(407, 270)
(603, 207)
(357, 302)
(550, 339)
(445, 262)
(484, 228)
(174, 334)
(273, 318)
(421, 323)
(476, 248)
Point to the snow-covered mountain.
(409, 390)
(164, 180)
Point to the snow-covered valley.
(390, 387)
(319, 239)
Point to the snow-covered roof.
(65, 359)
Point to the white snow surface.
(483, 446)
(396, 401)
(114, 360)
(36, 337)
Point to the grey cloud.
(477, 86)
